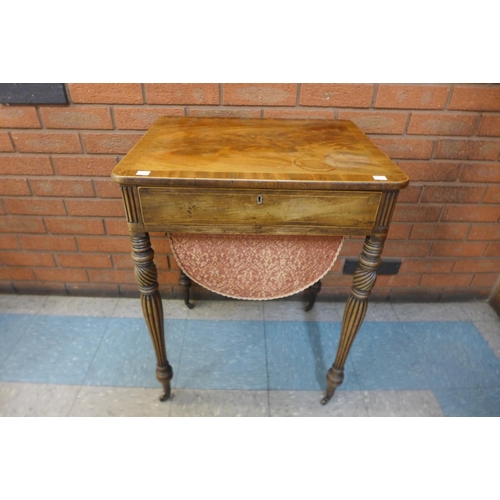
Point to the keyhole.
(259, 199)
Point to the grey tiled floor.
(32, 398)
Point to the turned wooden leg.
(147, 278)
(185, 282)
(313, 290)
(355, 309)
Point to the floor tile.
(132, 308)
(119, 402)
(79, 306)
(423, 355)
(36, 400)
(12, 328)
(490, 330)
(454, 355)
(21, 304)
(402, 404)
(307, 404)
(480, 311)
(223, 310)
(481, 402)
(200, 403)
(287, 310)
(300, 354)
(54, 350)
(126, 356)
(431, 312)
(223, 355)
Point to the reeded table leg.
(355, 309)
(147, 278)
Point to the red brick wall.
(62, 226)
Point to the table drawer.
(265, 208)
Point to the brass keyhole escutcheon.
(259, 199)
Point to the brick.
(430, 171)
(412, 96)
(112, 276)
(406, 213)
(104, 244)
(47, 142)
(410, 194)
(172, 263)
(107, 189)
(21, 225)
(8, 242)
(124, 261)
(63, 188)
(76, 117)
(405, 249)
(25, 165)
(446, 279)
(377, 122)
(116, 227)
(142, 118)
(475, 98)
(399, 231)
(74, 226)
(493, 250)
(484, 232)
(5, 143)
(427, 265)
(467, 149)
(490, 126)
(342, 95)
(452, 194)
(260, 94)
(492, 195)
(448, 231)
(106, 93)
(14, 187)
(467, 249)
(477, 266)
(84, 261)
(85, 166)
(16, 273)
(309, 114)
(2, 209)
(488, 280)
(110, 143)
(401, 147)
(23, 206)
(48, 242)
(442, 124)
(27, 259)
(19, 117)
(226, 112)
(160, 244)
(96, 208)
(182, 93)
(471, 214)
(398, 280)
(65, 275)
(480, 172)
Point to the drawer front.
(186, 207)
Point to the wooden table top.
(259, 153)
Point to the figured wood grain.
(247, 209)
(266, 154)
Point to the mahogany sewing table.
(251, 176)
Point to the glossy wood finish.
(220, 175)
(261, 154)
(254, 211)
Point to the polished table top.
(254, 153)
